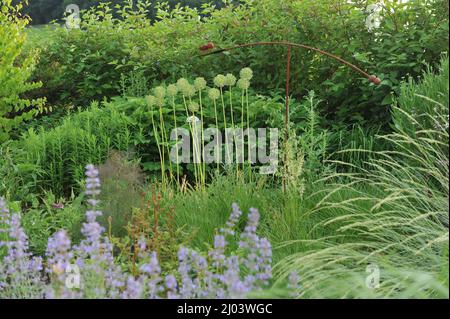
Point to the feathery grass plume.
(394, 233)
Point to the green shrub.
(15, 72)
(55, 159)
(48, 215)
(107, 46)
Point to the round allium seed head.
(220, 80)
(172, 90)
(190, 90)
(200, 84)
(230, 79)
(182, 85)
(160, 92)
(246, 74)
(243, 84)
(193, 107)
(150, 100)
(214, 94)
(160, 102)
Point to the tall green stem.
(203, 140)
(176, 140)
(155, 132)
(217, 139)
(227, 153)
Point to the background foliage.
(15, 74)
(410, 34)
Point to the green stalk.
(232, 125)
(192, 133)
(203, 140)
(176, 130)
(155, 132)
(217, 140)
(242, 126)
(225, 125)
(197, 166)
(164, 140)
(248, 144)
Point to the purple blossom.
(232, 221)
(293, 284)
(103, 276)
(18, 268)
(171, 285)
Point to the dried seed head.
(243, 84)
(200, 84)
(150, 100)
(246, 74)
(220, 80)
(193, 107)
(214, 94)
(160, 92)
(172, 90)
(230, 79)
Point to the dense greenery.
(410, 35)
(45, 11)
(14, 76)
(362, 180)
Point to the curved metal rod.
(371, 78)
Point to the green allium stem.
(176, 131)
(155, 132)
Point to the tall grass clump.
(393, 235)
(55, 159)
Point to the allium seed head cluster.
(230, 79)
(220, 80)
(246, 74)
(172, 90)
(200, 84)
(213, 94)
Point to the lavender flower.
(293, 284)
(232, 221)
(171, 285)
(103, 276)
(18, 269)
